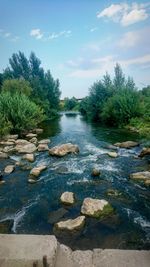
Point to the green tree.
(17, 86)
(70, 103)
(119, 79)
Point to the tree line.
(28, 94)
(118, 102)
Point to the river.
(31, 205)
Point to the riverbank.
(24, 250)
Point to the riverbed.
(34, 208)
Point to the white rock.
(63, 150)
(140, 175)
(43, 147)
(22, 142)
(93, 207)
(127, 144)
(71, 224)
(9, 169)
(31, 135)
(112, 154)
(28, 148)
(67, 198)
(37, 170)
(29, 157)
(44, 141)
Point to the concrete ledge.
(23, 250)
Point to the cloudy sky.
(79, 40)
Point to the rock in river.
(112, 154)
(9, 169)
(145, 151)
(44, 141)
(67, 198)
(43, 147)
(3, 155)
(96, 207)
(140, 175)
(29, 157)
(96, 172)
(37, 170)
(31, 135)
(63, 150)
(71, 224)
(28, 148)
(127, 144)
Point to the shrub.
(17, 86)
(22, 113)
(5, 127)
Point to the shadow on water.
(34, 208)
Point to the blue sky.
(79, 40)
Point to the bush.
(18, 110)
(6, 126)
(17, 86)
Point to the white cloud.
(8, 35)
(36, 33)
(59, 34)
(129, 39)
(125, 14)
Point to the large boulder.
(145, 151)
(9, 149)
(7, 143)
(28, 148)
(127, 144)
(71, 224)
(67, 198)
(63, 150)
(29, 157)
(9, 169)
(33, 140)
(36, 171)
(96, 207)
(21, 142)
(12, 136)
(42, 147)
(140, 175)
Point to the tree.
(119, 79)
(20, 86)
(70, 103)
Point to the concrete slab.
(120, 258)
(82, 258)
(64, 257)
(23, 250)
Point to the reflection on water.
(30, 206)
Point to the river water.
(31, 206)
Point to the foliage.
(45, 90)
(19, 111)
(70, 103)
(6, 125)
(17, 85)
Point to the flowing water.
(31, 206)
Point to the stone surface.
(67, 198)
(82, 258)
(38, 131)
(42, 147)
(36, 171)
(23, 250)
(28, 148)
(145, 151)
(7, 143)
(147, 182)
(63, 150)
(120, 258)
(31, 135)
(140, 175)
(22, 142)
(127, 144)
(33, 140)
(29, 157)
(71, 224)
(9, 169)
(9, 149)
(44, 141)
(113, 193)
(3, 155)
(96, 172)
(112, 154)
(95, 207)
(64, 257)
(32, 181)
(12, 136)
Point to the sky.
(79, 40)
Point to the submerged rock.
(2, 182)
(36, 171)
(96, 172)
(6, 226)
(112, 154)
(63, 150)
(127, 144)
(67, 198)
(140, 175)
(145, 151)
(71, 224)
(96, 207)
(44, 141)
(113, 193)
(56, 215)
(61, 169)
(32, 181)
(9, 169)
(43, 147)
(29, 157)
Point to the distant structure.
(78, 99)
